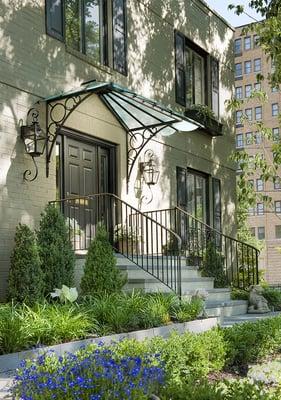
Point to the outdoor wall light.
(34, 141)
(148, 168)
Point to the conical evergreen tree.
(25, 276)
(100, 272)
(55, 250)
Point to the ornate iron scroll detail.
(28, 172)
(57, 115)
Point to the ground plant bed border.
(12, 361)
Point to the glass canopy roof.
(133, 111)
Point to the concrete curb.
(12, 361)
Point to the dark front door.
(88, 169)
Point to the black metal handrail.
(132, 233)
(229, 260)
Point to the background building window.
(275, 109)
(239, 92)
(278, 231)
(238, 70)
(259, 185)
(261, 232)
(238, 118)
(249, 138)
(239, 140)
(258, 113)
(277, 207)
(251, 211)
(257, 86)
(257, 65)
(275, 135)
(260, 209)
(238, 46)
(277, 183)
(258, 138)
(247, 67)
(249, 114)
(247, 43)
(256, 40)
(248, 90)
(275, 89)
(253, 231)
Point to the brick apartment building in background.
(264, 221)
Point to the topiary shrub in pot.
(101, 274)
(55, 250)
(25, 277)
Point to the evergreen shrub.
(55, 250)
(101, 274)
(25, 277)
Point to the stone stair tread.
(152, 279)
(219, 290)
(229, 303)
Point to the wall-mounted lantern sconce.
(148, 168)
(34, 141)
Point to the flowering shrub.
(94, 374)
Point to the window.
(278, 231)
(277, 207)
(249, 138)
(258, 138)
(239, 118)
(258, 113)
(84, 25)
(275, 109)
(248, 90)
(257, 86)
(256, 40)
(238, 70)
(191, 71)
(260, 209)
(238, 46)
(275, 89)
(239, 140)
(257, 65)
(275, 135)
(249, 114)
(238, 92)
(261, 232)
(259, 185)
(277, 183)
(253, 232)
(247, 43)
(217, 204)
(247, 67)
(251, 211)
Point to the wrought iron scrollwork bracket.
(28, 172)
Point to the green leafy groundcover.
(23, 326)
(173, 369)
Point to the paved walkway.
(6, 379)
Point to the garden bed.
(13, 360)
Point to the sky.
(221, 7)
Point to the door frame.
(91, 140)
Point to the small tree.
(101, 273)
(55, 250)
(213, 265)
(25, 277)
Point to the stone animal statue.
(257, 303)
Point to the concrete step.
(227, 308)
(133, 271)
(150, 260)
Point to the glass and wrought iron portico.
(141, 117)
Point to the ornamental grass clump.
(98, 374)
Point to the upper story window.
(257, 65)
(247, 67)
(249, 114)
(249, 138)
(261, 232)
(275, 109)
(239, 140)
(275, 135)
(238, 70)
(194, 83)
(259, 185)
(238, 118)
(258, 113)
(257, 86)
(278, 231)
(258, 138)
(248, 90)
(275, 89)
(238, 46)
(277, 183)
(256, 40)
(247, 43)
(277, 206)
(260, 209)
(85, 26)
(239, 92)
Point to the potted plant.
(126, 239)
(205, 116)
